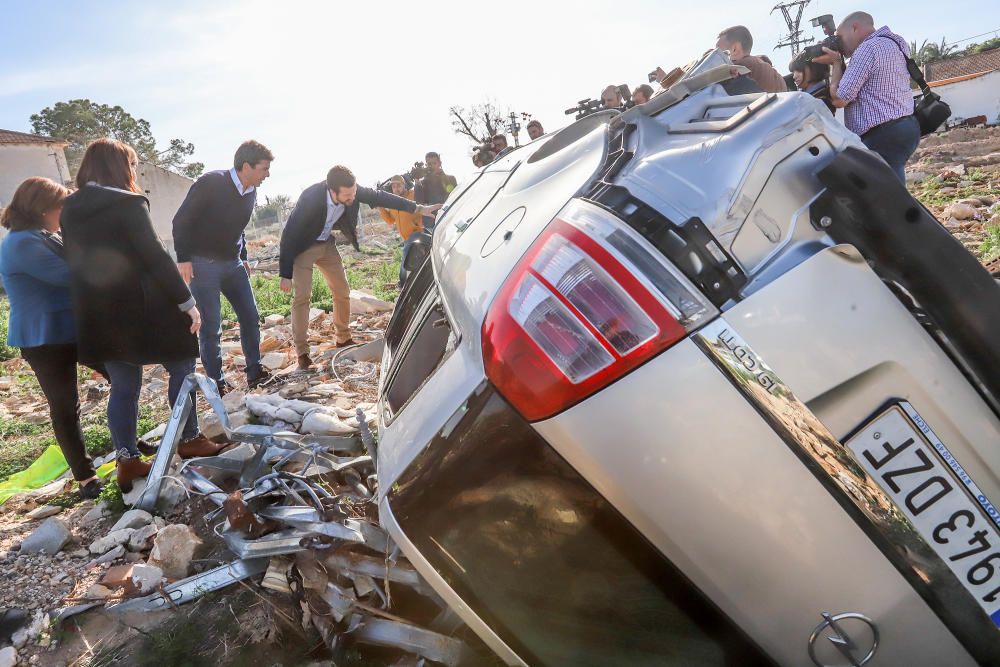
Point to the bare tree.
(479, 122)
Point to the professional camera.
(584, 108)
(832, 41)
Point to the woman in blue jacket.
(36, 279)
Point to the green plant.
(111, 496)
(6, 351)
(990, 246)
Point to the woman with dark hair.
(37, 279)
(814, 79)
(131, 305)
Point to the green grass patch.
(6, 351)
(990, 247)
(375, 272)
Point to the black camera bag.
(931, 111)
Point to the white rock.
(114, 554)
(288, 415)
(146, 578)
(44, 512)
(172, 492)
(98, 592)
(138, 486)
(96, 513)
(321, 423)
(111, 540)
(239, 418)
(233, 400)
(133, 519)
(8, 657)
(362, 302)
(273, 361)
(142, 538)
(210, 425)
(273, 320)
(49, 537)
(960, 211)
(174, 549)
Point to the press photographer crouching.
(812, 78)
(874, 88)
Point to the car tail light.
(587, 303)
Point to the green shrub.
(6, 351)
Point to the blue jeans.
(402, 260)
(123, 403)
(229, 278)
(895, 142)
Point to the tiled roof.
(956, 79)
(12, 137)
(949, 68)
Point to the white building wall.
(21, 161)
(973, 97)
(165, 190)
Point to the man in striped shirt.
(874, 91)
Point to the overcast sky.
(369, 84)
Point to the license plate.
(915, 469)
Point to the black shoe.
(145, 448)
(260, 378)
(92, 489)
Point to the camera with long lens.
(584, 108)
(831, 41)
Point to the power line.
(982, 34)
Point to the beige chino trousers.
(325, 256)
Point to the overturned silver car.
(699, 383)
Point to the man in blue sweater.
(212, 256)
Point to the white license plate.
(915, 469)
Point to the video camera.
(832, 41)
(416, 172)
(584, 108)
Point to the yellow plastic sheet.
(47, 467)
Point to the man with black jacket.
(212, 256)
(308, 240)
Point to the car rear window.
(544, 559)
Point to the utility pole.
(794, 37)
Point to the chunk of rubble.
(133, 519)
(323, 423)
(50, 537)
(113, 539)
(960, 211)
(43, 512)
(142, 538)
(274, 320)
(174, 548)
(362, 302)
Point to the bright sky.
(369, 84)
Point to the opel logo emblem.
(843, 639)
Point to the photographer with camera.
(611, 98)
(812, 78)
(874, 88)
(434, 187)
(738, 41)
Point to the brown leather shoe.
(347, 343)
(198, 446)
(129, 469)
(305, 363)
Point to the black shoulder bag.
(930, 109)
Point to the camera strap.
(913, 69)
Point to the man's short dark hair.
(533, 123)
(339, 177)
(738, 33)
(499, 136)
(646, 90)
(431, 155)
(251, 152)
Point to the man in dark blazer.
(308, 240)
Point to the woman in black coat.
(130, 303)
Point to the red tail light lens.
(588, 302)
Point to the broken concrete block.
(116, 537)
(172, 492)
(233, 400)
(173, 550)
(273, 361)
(321, 423)
(131, 497)
(142, 538)
(273, 320)
(44, 512)
(112, 555)
(49, 537)
(210, 425)
(133, 519)
(144, 578)
(239, 418)
(116, 576)
(362, 302)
